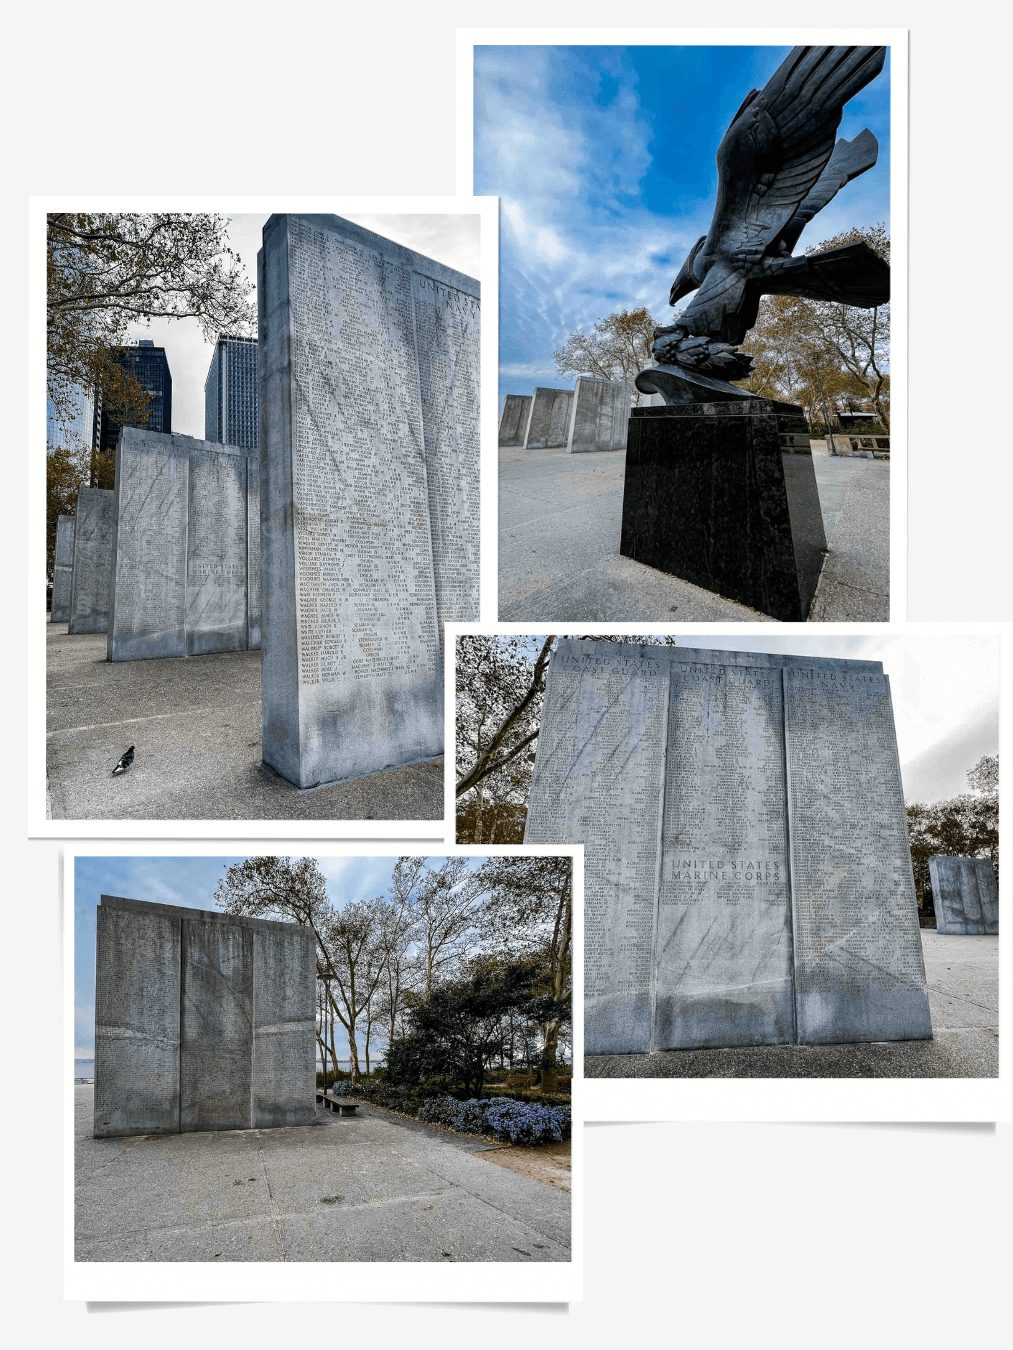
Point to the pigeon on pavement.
(124, 762)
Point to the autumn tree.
(965, 826)
(106, 271)
(500, 681)
(500, 684)
(818, 352)
(66, 472)
(446, 915)
(618, 347)
(529, 913)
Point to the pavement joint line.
(484, 1200)
(957, 998)
(153, 717)
(270, 1195)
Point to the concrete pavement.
(962, 974)
(560, 520)
(347, 1189)
(196, 723)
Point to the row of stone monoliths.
(594, 415)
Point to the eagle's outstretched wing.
(769, 160)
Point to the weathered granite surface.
(370, 509)
(63, 570)
(204, 1021)
(600, 415)
(747, 875)
(186, 555)
(724, 495)
(513, 422)
(964, 895)
(137, 974)
(549, 419)
(94, 528)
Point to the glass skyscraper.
(231, 403)
(150, 368)
(75, 432)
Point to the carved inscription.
(855, 915)
(216, 551)
(447, 323)
(771, 900)
(364, 565)
(724, 921)
(599, 783)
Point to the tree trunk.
(353, 1053)
(479, 795)
(552, 1028)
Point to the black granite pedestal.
(724, 495)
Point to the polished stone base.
(724, 495)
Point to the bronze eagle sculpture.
(777, 167)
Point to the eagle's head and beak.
(687, 280)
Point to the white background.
(696, 1235)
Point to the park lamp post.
(327, 1007)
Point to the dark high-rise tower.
(150, 368)
(231, 407)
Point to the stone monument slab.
(747, 874)
(63, 570)
(600, 415)
(94, 529)
(370, 508)
(137, 971)
(964, 895)
(859, 975)
(216, 1027)
(724, 495)
(549, 419)
(513, 422)
(204, 1021)
(186, 557)
(284, 1022)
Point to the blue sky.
(190, 882)
(604, 161)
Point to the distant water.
(84, 1068)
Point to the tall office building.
(74, 430)
(231, 406)
(150, 367)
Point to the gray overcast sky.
(945, 697)
(451, 239)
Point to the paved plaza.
(962, 974)
(365, 1188)
(560, 520)
(196, 723)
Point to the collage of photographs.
(490, 717)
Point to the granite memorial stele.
(964, 895)
(369, 448)
(548, 419)
(203, 1021)
(720, 487)
(186, 548)
(514, 419)
(747, 876)
(63, 569)
(91, 574)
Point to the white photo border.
(797, 1099)
(39, 825)
(349, 1281)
